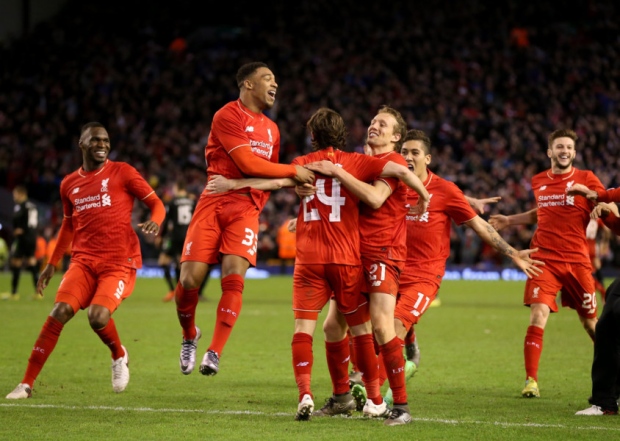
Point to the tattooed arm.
(520, 258)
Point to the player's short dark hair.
(561, 133)
(418, 135)
(247, 70)
(327, 129)
(91, 125)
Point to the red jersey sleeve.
(610, 195)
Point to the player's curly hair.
(327, 129)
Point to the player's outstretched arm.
(500, 221)
(582, 190)
(372, 195)
(480, 204)
(220, 184)
(252, 165)
(520, 258)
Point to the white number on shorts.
(417, 311)
(589, 302)
(250, 240)
(335, 201)
(119, 290)
(372, 272)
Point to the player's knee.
(98, 317)
(63, 312)
(189, 280)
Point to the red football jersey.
(235, 125)
(428, 235)
(328, 222)
(562, 219)
(100, 205)
(384, 231)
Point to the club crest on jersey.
(188, 249)
(570, 200)
(269, 133)
(535, 292)
(104, 185)
(249, 129)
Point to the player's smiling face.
(562, 154)
(416, 157)
(381, 130)
(95, 145)
(264, 86)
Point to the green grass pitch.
(467, 387)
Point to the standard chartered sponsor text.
(551, 200)
(87, 202)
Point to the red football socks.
(187, 301)
(228, 310)
(43, 347)
(109, 335)
(532, 349)
(303, 359)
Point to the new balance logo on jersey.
(543, 188)
(535, 292)
(188, 249)
(104, 185)
(106, 201)
(249, 129)
(75, 190)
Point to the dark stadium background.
(487, 80)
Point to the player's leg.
(337, 355)
(186, 305)
(239, 237)
(113, 286)
(69, 299)
(164, 261)
(310, 293)
(606, 364)
(228, 310)
(15, 265)
(33, 268)
(540, 295)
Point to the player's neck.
(380, 150)
(561, 171)
(248, 101)
(423, 176)
(89, 166)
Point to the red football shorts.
(91, 282)
(414, 297)
(222, 225)
(573, 279)
(382, 275)
(313, 286)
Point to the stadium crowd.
(486, 80)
